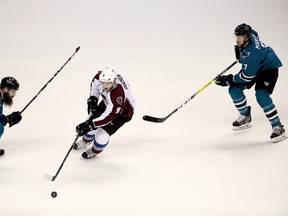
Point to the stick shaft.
(160, 120)
(50, 80)
(59, 169)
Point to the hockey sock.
(269, 108)
(241, 105)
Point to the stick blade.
(49, 177)
(153, 119)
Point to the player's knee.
(235, 91)
(101, 136)
(100, 141)
(263, 97)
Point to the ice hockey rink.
(193, 163)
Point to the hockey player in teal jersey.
(8, 88)
(260, 68)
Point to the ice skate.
(243, 122)
(278, 134)
(81, 144)
(2, 152)
(88, 154)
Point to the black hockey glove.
(14, 118)
(225, 80)
(92, 104)
(237, 52)
(85, 127)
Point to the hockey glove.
(237, 52)
(14, 118)
(225, 80)
(85, 127)
(92, 104)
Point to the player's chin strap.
(246, 40)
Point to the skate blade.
(242, 127)
(277, 139)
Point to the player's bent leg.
(240, 102)
(100, 141)
(269, 108)
(102, 136)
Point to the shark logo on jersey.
(245, 55)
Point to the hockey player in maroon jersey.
(115, 109)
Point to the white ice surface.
(193, 164)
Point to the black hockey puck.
(54, 194)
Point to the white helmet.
(107, 75)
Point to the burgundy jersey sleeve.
(114, 105)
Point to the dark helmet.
(243, 30)
(10, 83)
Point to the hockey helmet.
(107, 75)
(243, 30)
(10, 83)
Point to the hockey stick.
(77, 49)
(52, 178)
(160, 120)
